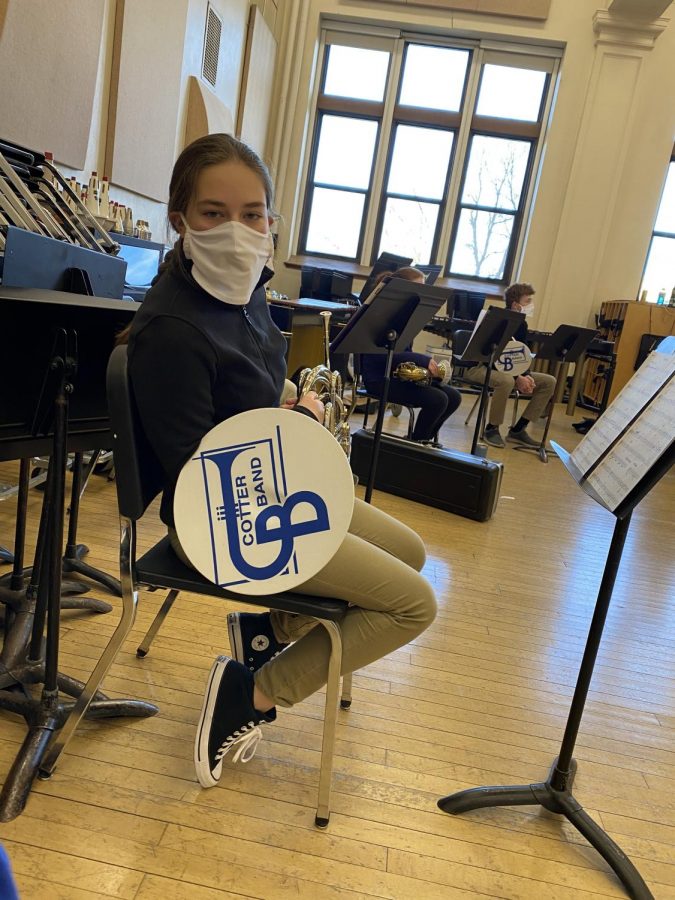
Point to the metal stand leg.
(18, 581)
(392, 337)
(554, 794)
(72, 560)
(482, 406)
(541, 450)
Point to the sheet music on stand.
(632, 434)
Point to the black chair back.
(465, 304)
(325, 284)
(138, 474)
(460, 340)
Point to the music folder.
(631, 436)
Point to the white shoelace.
(245, 739)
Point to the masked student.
(538, 385)
(436, 401)
(202, 348)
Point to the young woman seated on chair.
(203, 348)
(436, 402)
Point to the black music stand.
(555, 794)
(488, 340)
(96, 320)
(388, 324)
(35, 419)
(566, 345)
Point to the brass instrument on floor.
(410, 371)
(328, 386)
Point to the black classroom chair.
(138, 482)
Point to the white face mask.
(528, 310)
(227, 261)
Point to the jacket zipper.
(255, 338)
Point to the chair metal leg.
(472, 411)
(411, 422)
(346, 696)
(144, 645)
(515, 409)
(329, 723)
(81, 705)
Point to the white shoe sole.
(201, 749)
(234, 633)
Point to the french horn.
(410, 371)
(328, 386)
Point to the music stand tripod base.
(542, 452)
(557, 800)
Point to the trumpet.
(328, 386)
(410, 371)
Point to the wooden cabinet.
(625, 322)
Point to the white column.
(573, 292)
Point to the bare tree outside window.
(490, 200)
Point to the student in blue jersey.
(202, 348)
(539, 386)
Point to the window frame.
(464, 125)
(656, 233)
(517, 214)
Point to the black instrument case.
(447, 479)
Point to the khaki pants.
(502, 385)
(376, 570)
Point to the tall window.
(425, 150)
(659, 275)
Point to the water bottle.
(661, 299)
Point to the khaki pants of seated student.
(502, 385)
(376, 570)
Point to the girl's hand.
(433, 368)
(311, 402)
(289, 404)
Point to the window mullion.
(459, 159)
(378, 188)
(527, 200)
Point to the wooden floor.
(480, 698)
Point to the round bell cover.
(264, 502)
(514, 359)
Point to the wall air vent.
(214, 29)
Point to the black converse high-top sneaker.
(228, 720)
(252, 639)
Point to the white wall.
(235, 17)
(606, 152)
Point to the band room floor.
(480, 698)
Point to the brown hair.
(514, 292)
(410, 273)
(209, 150)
